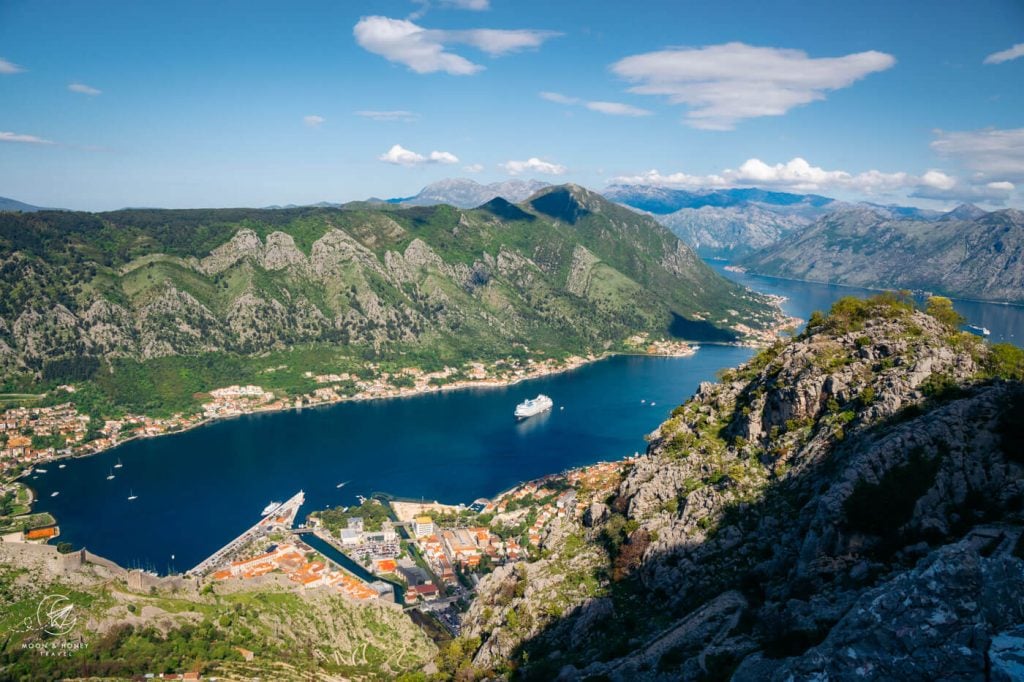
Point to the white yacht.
(132, 495)
(533, 406)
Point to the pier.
(282, 516)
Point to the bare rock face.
(940, 620)
(280, 252)
(245, 244)
(846, 506)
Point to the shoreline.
(744, 271)
(399, 394)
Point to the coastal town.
(32, 435)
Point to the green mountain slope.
(965, 253)
(564, 272)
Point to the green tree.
(941, 308)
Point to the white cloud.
(1006, 55)
(27, 139)
(559, 98)
(443, 157)
(797, 175)
(425, 50)
(617, 109)
(610, 108)
(400, 156)
(724, 84)
(533, 165)
(475, 5)
(395, 115)
(83, 89)
(473, 168)
(995, 154)
(8, 68)
(313, 121)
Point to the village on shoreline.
(31, 436)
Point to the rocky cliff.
(848, 505)
(967, 252)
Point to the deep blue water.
(197, 490)
(1006, 322)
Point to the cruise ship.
(532, 406)
(269, 508)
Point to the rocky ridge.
(145, 284)
(967, 252)
(847, 504)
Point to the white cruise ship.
(269, 508)
(533, 406)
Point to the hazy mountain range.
(466, 193)
(967, 252)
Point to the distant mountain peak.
(567, 203)
(468, 193)
(966, 211)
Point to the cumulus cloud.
(8, 68)
(724, 84)
(610, 108)
(473, 168)
(798, 175)
(1006, 55)
(400, 156)
(27, 139)
(995, 154)
(394, 115)
(533, 165)
(313, 121)
(83, 89)
(426, 50)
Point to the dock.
(282, 516)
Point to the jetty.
(282, 516)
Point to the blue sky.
(111, 104)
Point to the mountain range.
(466, 193)
(731, 223)
(120, 295)
(967, 252)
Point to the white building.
(424, 525)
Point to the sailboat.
(110, 476)
(132, 495)
(118, 465)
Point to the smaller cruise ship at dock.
(533, 406)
